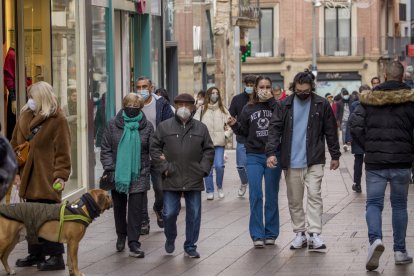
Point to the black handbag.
(107, 181)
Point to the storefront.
(91, 51)
(333, 82)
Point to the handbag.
(22, 150)
(107, 181)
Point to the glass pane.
(266, 34)
(65, 40)
(254, 39)
(99, 53)
(344, 30)
(330, 31)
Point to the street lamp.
(315, 4)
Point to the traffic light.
(246, 51)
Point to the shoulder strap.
(33, 133)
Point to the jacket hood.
(119, 121)
(386, 97)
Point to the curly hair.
(302, 78)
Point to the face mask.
(183, 113)
(132, 112)
(144, 94)
(264, 95)
(31, 104)
(248, 90)
(214, 98)
(303, 96)
(346, 97)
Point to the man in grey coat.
(183, 152)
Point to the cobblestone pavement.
(225, 245)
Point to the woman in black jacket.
(253, 124)
(128, 137)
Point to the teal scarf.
(128, 158)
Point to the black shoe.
(192, 254)
(55, 262)
(160, 220)
(145, 228)
(356, 188)
(169, 246)
(120, 243)
(135, 251)
(30, 260)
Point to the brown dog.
(71, 233)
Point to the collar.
(88, 205)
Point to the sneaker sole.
(404, 262)
(137, 255)
(190, 256)
(373, 263)
(304, 245)
(321, 249)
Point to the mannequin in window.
(9, 71)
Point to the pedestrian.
(342, 115)
(161, 92)
(48, 163)
(375, 81)
(277, 92)
(200, 98)
(299, 126)
(8, 166)
(156, 110)
(408, 79)
(383, 126)
(125, 150)
(183, 152)
(356, 150)
(329, 98)
(237, 104)
(100, 121)
(214, 115)
(70, 111)
(253, 124)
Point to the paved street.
(225, 245)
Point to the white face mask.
(31, 104)
(264, 94)
(183, 113)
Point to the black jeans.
(359, 161)
(11, 118)
(132, 228)
(159, 198)
(45, 248)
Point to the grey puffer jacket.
(188, 151)
(109, 148)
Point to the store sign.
(338, 76)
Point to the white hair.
(45, 98)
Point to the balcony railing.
(392, 47)
(248, 14)
(341, 46)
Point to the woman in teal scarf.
(125, 151)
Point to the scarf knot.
(128, 158)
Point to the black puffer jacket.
(383, 125)
(188, 151)
(109, 148)
(321, 126)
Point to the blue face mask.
(144, 94)
(248, 90)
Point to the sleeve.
(156, 150)
(357, 126)
(61, 144)
(276, 127)
(208, 153)
(106, 150)
(232, 108)
(330, 132)
(241, 127)
(166, 111)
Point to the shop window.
(261, 37)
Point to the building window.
(403, 12)
(337, 39)
(262, 36)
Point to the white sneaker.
(210, 196)
(300, 241)
(270, 241)
(402, 258)
(258, 243)
(221, 193)
(375, 251)
(242, 190)
(316, 243)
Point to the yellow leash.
(63, 218)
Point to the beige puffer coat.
(215, 120)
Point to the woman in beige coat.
(48, 163)
(214, 115)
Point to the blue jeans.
(376, 184)
(241, 162)
(171, 210)
(219, 167)
(256, 170)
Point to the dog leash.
(63, 218)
